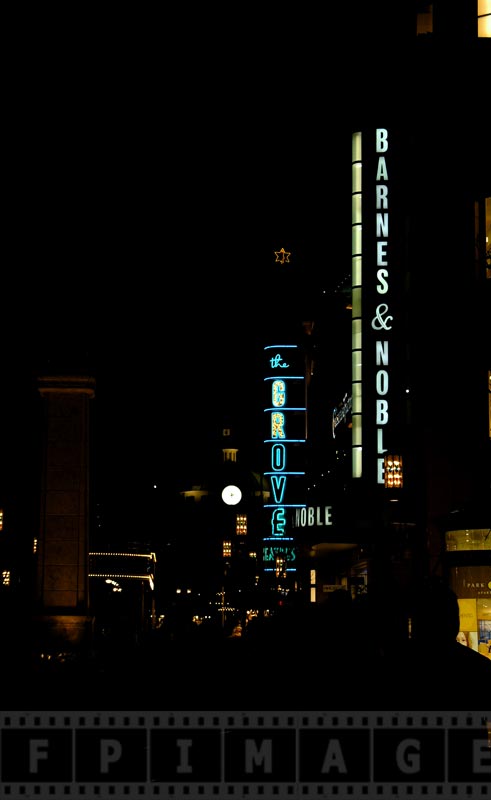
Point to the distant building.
(214, 560)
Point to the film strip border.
(244, 754)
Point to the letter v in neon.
(278, 482)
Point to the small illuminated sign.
(312, 516)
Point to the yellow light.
(393, 473)
(282, 256)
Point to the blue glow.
(288, 569)
(287, 505)
(278, 482)
(283, 440)
(276, 346)
(275, 539)
(279, 393)
(278, 457)
(279, 551)
(285, 473)
(286, 378)
(277, 424)
(278, 521)
(286, 409)
(277, 545)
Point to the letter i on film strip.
(260, 754)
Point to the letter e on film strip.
(238, 754)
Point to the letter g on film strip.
(239, 754)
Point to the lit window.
(484, 19)
(489, 402)
(241, 525)
(424, 19)
(393, 472)
(227, 549)
(487, 240)
(280, 567)
(1, 519)
(482, 236)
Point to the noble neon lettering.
(313, 515)
(382, 320)
(382, 286)
(382, 416)
(381, 353)
(382, 221)
(382, 381)
(381, 142)
(382, 254)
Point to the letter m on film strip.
(205, 754)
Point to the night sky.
(150, 260)
(153, 170)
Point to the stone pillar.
(62, 620)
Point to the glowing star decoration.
(282, 256)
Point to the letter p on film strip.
(237, 754)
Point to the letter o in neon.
(278, 457)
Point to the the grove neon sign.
(283, 421)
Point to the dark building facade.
(212, 564)
(397, 450)
(375, 383)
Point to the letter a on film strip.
(238, 754)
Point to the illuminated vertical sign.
(382, 321)
(284, 441)
(356, 306)
(372, 333)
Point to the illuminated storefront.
(324, 556)
(122, 593)
(468, 553)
